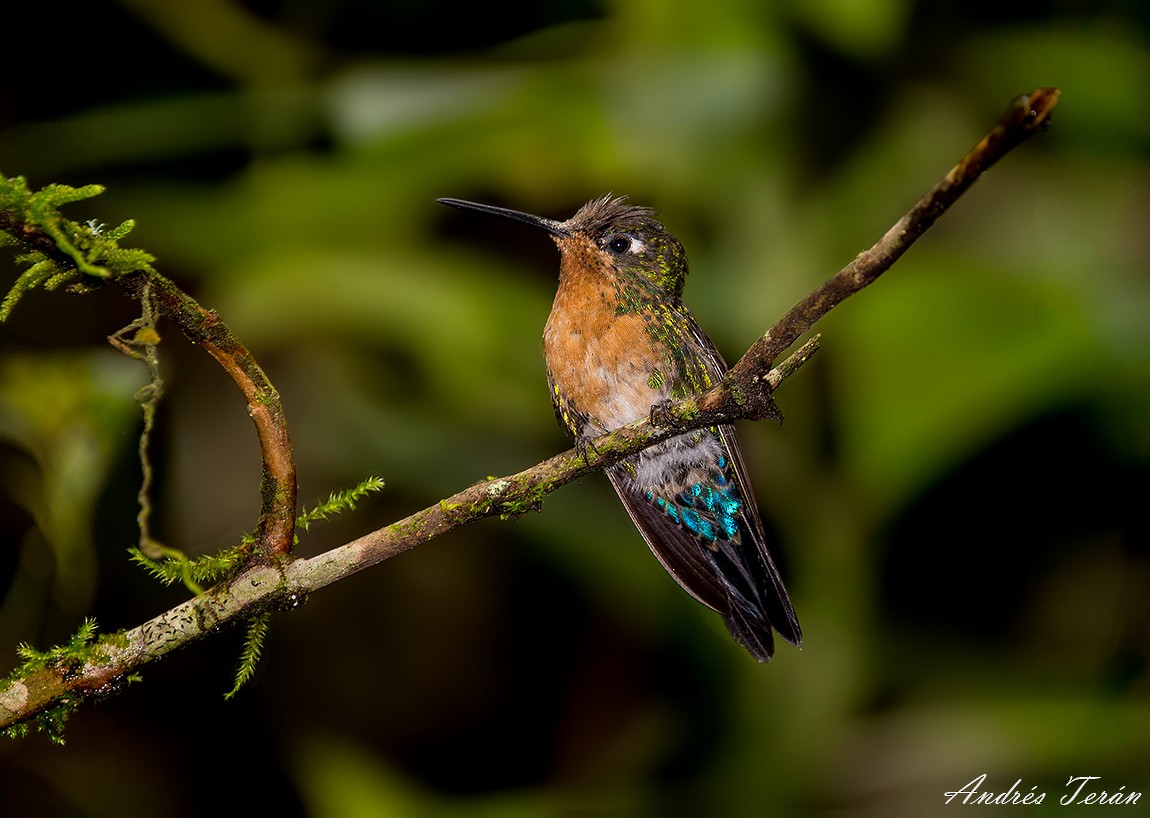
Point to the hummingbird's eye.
(619, 244)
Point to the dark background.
(956, 495)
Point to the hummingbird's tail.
(758, 602)
(712, 542)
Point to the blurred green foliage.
(956, 491)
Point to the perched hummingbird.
(618, 344)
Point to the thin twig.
(138, 340)
(1027, 115)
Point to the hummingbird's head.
(626, 238)
(635, 242)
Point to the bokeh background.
(957, 495)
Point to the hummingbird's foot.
(582, 444)
(661, 413)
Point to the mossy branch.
(264, 585)
(59, 251)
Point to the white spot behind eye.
(634, 245)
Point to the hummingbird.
(619, 344)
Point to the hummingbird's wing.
(679, 555)
(754, 553)
(717, 552)
(732, 573)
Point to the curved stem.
(275, 531)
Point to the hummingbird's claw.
(661, 413)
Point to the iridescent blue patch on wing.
(730, 526)
(725, 505)
(710, 511)
(695, 522)
(670, 508)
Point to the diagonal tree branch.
(1027, 115)
(267, 584)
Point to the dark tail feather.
(752, 633)
(758, 603)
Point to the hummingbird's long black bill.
(550, 225)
